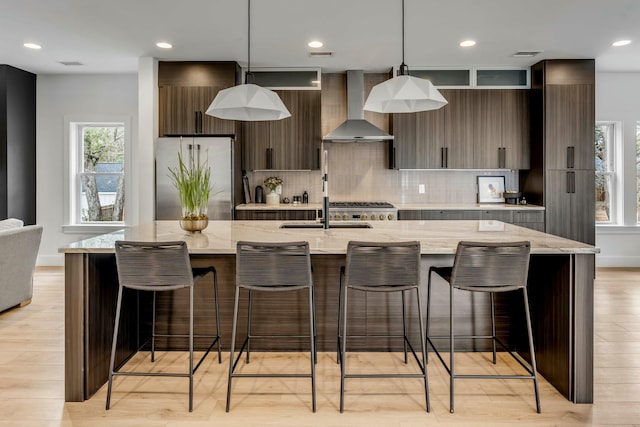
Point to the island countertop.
(435, 237)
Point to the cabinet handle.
(269, 158)
(446, 157)
(199, 121)
(393, 164)
(502, 157)
(573, 182)
(442, 157)
(318, 166)
(195, 122)
(571, 151)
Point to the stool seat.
(160, 267)
(381, 267)
(490, 268)
(272, 267)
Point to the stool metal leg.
(423, 343)
(190, 349)
(493, 325)
(343, 349)
(404, 327)
(534, 367)
(153, 328)
(312, 329)
(233, 346)
(451, 349)
(340, 305)
(249, 325)
(215, 291)
(113, 345)
(428, 306)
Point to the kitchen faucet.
(325, 192)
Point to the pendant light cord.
(403, 67)
(249, 36)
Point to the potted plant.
(274, 184)
(193, 182)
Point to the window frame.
(614, 171)
(73, 167)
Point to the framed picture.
(491, 189)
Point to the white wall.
(617, 99)
(58, 96)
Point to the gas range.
(362, 211)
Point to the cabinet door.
(570, 204)
(256, 145)
(419, 140)
(462, 215)
(583, 207)
(203, 96)
(177, 114)
(497, 215)
(458, 128)
(404, 215)
(305, 145)
(558, 203)
(570, 124)
(487, 128)
(515, 128)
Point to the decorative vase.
(194, 225)
(273, 198)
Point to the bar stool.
(381, 267)
(272, 267)
(156, 267)
(486, 267)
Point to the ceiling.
(108, 36)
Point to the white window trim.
(617, 195)
(70, 162)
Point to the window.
(638, 172)
(605, 142)
(96, 172)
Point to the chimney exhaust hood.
(356, 128)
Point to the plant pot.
(273, 198)
(193, 225)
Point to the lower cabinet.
(276, 214)
(524, 218)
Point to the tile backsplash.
(358, 172)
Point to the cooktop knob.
(345, 217)
(390, 217)
(364, 217)
(381, 217)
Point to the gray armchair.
(18, 252)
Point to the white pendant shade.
(248, 102)
(404, 94)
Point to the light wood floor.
(32, 375)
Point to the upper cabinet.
(477, 129)
(186, 90)
(288, 144)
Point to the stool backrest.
(260, 264)
(491, 266)
(153, 265)
(375, 264)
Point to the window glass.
(605, 135)
(100, 176)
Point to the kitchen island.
(560, 288)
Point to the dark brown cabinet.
(477, 129)
(185, 91)
(288, 144)
(529, 218)
(17, 144)
(276, 214)
(562, 174)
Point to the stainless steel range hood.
(356, 128)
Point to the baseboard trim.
(617, 261)
(50, 260)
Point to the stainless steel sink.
(318, 225)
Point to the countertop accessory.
(248, 102)
(259, 196)
(512, 197)
(404, 93)
(490, 189)
(305, 197)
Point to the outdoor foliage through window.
(102, 173)
(604, 143)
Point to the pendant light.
(404, 93)
(248, 102)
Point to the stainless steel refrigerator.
(218, 151)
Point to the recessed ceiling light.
(316, 43)
(621, 43)
(467, 43)
(32, 46)
(164, 45)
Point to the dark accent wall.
(17, 144)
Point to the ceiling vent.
(71, 63)
(526, 54)
(326, 53)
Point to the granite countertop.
(399, 206)
(436, 237)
